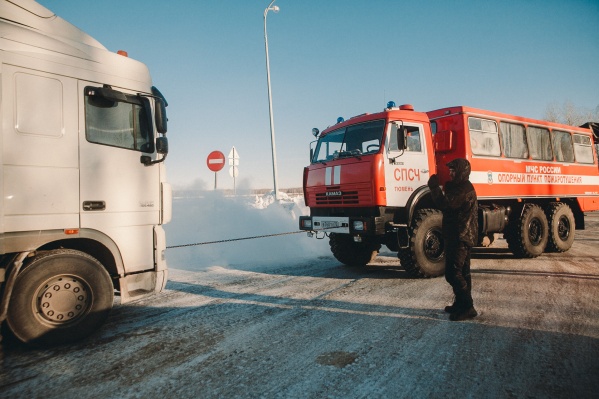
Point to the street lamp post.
(272, 124)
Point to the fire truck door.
(405, 169)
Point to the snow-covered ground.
(212, 216)
(249, 319)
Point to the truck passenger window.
(513, 140)
(484, 139)
(118, 123)
(539, 143)
(414, 143)
(562, 146)
(583, 148)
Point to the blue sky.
(337, 58)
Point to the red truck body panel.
(501, 177)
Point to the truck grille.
(346, 197)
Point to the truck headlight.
(358, 225)
(307, 223)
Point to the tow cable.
(233, 239)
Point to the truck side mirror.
(401, 137)
(160, 116)
(312, 150)
(161, 148)
(162, 145)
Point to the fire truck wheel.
(60, 296)
(561, 227)
(426, 255)
(527, 237)
(352, 253)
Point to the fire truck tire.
(561, 227)
(527, 237)
(60, 296)
(352, 253)
(426, 255)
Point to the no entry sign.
(215, 161)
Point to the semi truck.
(83, 185)
(366, 185)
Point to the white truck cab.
(83, 186)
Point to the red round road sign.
(215, 161)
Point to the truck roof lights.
(123, 53)
(391, 104)
(406, 107)
(340, 119)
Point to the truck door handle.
(94, 205)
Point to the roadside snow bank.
(214, 217)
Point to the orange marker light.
(123, 53)
(71, 231)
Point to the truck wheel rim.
(62, 299)
(433, 245)
(535, 231)
(563, 228)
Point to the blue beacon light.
(391, 104)
(340, 119)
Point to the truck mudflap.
(141, 285)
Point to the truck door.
(120, 197)
(405, 169)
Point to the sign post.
(234, 163)
(215, 162)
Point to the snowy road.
(315, 329)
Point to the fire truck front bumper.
(342, 225)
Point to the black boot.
(463, 314)
(451, 308)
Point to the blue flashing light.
(391, 104)
(340, 119)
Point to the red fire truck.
(366, 183)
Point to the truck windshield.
(361, 139)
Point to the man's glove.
(433, 182)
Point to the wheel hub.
(433, 245)
(563, 228)
(535, 231)
(62, 299)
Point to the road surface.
(318, 329)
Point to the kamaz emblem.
(334, 193)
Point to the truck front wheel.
(352, 253)
(426, 255)
(60, 296)
(527, 237)
(561, 227)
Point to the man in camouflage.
(460, 232)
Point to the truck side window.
(513, 140)
(414, 143)
(539, 143)
(484, 139)
(562, 146)
(583, 148)
(117, 124)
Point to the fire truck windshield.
(355, 140)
